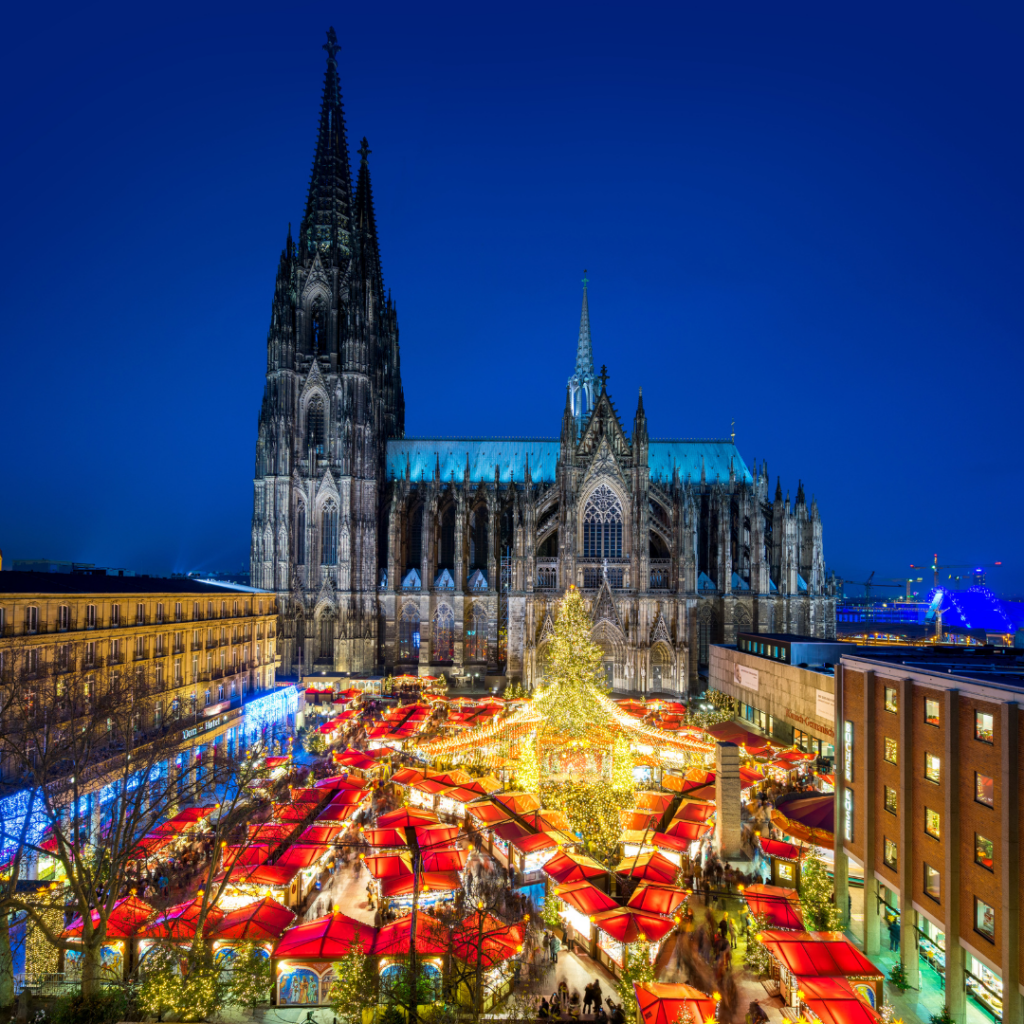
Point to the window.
(984, 728)
(261, 607)
(177, 671)
(140, 647)
(195, 667)
(984, 852)
(159, 677)
(315, 427)
(984, 790)
(223, 609)
(932, 767)
(63, 617)
(848, 814)
(115, 615)
(140, 615)
(206, 699)
(90, 652)
(3, 621)
(327, 637)
(891, 753)
(329, 534)
(602, 525)
(848, 750)
(891, 700)
(90, 616)
(158, 715)
(476, 635)
(31, 619)
(931, 712)
(177, 611)
(932, 884)
(890, 854)
(300, 535)
(234, 609)
(891, 804)
(195, 611)
(932, 823)
(409, 634)
(984, 919)
(444, 634)
(115, 650)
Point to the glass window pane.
(891, 702)
(890, 853)
(890, 800)
(932, 823)
(984, 919)
(984, 728)
(932, 885)
(984, 851)
(984, 789)
(931, 712)
(891, 750)
(932, 767)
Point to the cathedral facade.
(430, 555)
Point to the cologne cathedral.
(429, 555)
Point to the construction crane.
(867, 584)
(936, 568)
(908, 580)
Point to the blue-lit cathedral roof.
(421, 457)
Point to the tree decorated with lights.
(527, 765)
(252, 977)
(622, 766)
(757, 959)
(638, 968)
(816, 895)
(354, 986)
(174, 987)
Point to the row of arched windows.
(475, 635)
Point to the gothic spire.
(581, 383)
(366, 221)
(327, 221)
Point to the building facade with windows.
(191, 654)
(928, 783)
(441, 554)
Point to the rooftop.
(21, 582)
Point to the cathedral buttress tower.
(332, 400)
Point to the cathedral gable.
(660, 631)
(328, 488)
(316, 281)
(604, 608)
(604, 464)
(604, 427)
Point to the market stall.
(618, 929)
(779, 907)
(125, 921)
(781, 860)
(577, 903)
(666, 1004)
(834, 1001)
(651, 865)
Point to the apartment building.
(928, 783)
(196, 652)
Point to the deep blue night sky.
(805, 219)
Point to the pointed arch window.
(318, 328)
(602, 524)
(476, 635)
(300, 534)
(478, 539)
(415, 538)
(329, 534)
(447, 559)
(315, 426)
(444, 634)
(327, 637)
(409, 634)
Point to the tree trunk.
(6, 963)
(90, 969)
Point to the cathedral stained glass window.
(476, 635)
(444, 634)
(315, 427)
(409, 634)
(300, 534)
(602, 524)
(329, 532)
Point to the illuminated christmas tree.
(816, 895)
(527, 766)
(622, 766)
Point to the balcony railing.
(547, 574)
(660, 573)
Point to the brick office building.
(928, 781)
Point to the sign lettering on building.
(745, 677)
(825, 705)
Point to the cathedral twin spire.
(327, 223)
(581, 383)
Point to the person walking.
(894, 934)
(555, 947)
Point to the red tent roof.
(656, 898)
(436, 881)
(406, 776)
(489, 813)
(436, 835)
(448, 859)
(585, 897)
(338, 782)
(780, 907)
(519, 802)
(777, 848)
(355, 758)
(509, 830)
(653, 801)
(834, 1001)
(406, 816)
(395, 938)
(733, 732)
(264, 919)
(638, 820)
(308, 796)
(322, 834)
(688, 831)
(180, 922)
(271, 831)
(191, 815)
(649, 864)
(663, 1004)
(818, 954)
(265, 874)
(301, 855)
(388, 865)
(125, 920)
(538, 841)
(250, 853)
(275, 762)
(293, 812)
(386, 837)
(499, 941)
(326, 938)
(693, 810)
(352, 797)
(630, 925)
(573, 867)
(815, 810)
